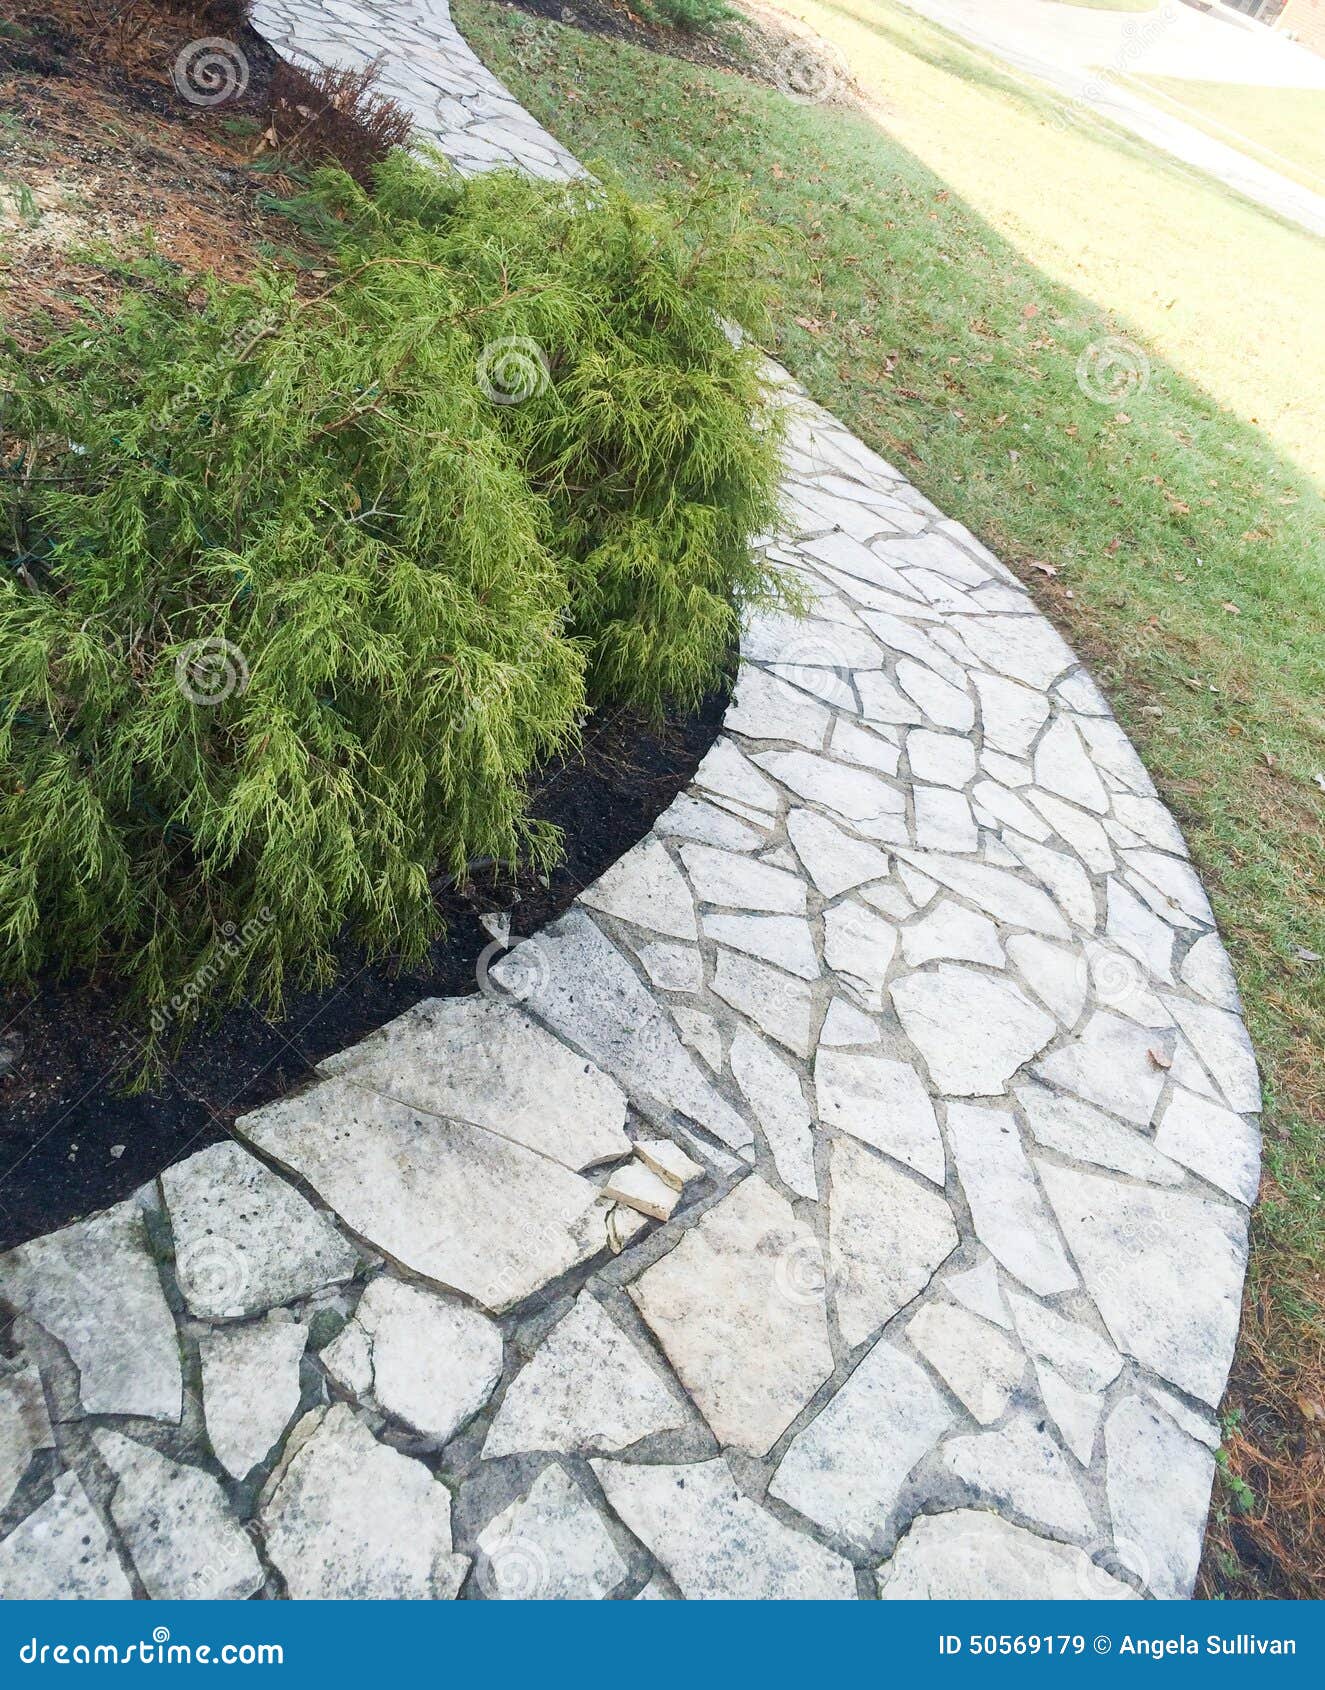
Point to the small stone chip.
(638, 1187)
(668, 1161)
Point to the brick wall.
(1306, 20)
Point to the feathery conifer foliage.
(299, 590)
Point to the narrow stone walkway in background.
(846, 1198)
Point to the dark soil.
(74, 1139)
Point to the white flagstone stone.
(834, 860)
(550, 1545)
(428, 1361)
(763, 707)
(1213, 1142)
(62, 1552)
(250, 1388)
(1010, 1217)
(487, 1063)
(783, 940)
(1086, 1134)
(185, 1543)
(94, 1287)
(1109, 1063)
(724, 877)
(773, 1090)
(887, 1237)
(778, 1005)
(1221, 1041)
(715, 1542)
(739, 1309)
(1136, 1248)
(588, 1387)
(971, 1555)
(1207, 970)
(646, 887)
(1159, 1489)
(883, 1102)
(973, 1031)
(347, 1519)
(24, 1425)
(859, 947)
(953, 933)
(1021, 1469)
(979, 1364)
(846, 1470)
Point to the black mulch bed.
(73, 1139)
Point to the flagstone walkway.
(846, 1198)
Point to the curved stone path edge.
(846, 1198)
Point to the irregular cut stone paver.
(1010, 1216)
(974, 1032)
(1020, 1468)
(845, 1471)
(726, 877)
(979, 1364)
(1054, 974)
(1136, 1248)
(977, 1289)
(427, 1360)
(347, 1519)
(24, 1425)
(453, 1203)
(62, 1552)
(1109, 1063)
(763, 707)
(846, 1025)
(1006, 896)
(1086, 1134)
(971, 1555)
(646, 887)
(245, 1239)
(883, 1102)
(587, 993)
(1207, 970)
(487, 1063)
(1212, 1141)
(1221, 1042)
(778, 1005)
(834, 860)
(887, 1235)
(739, 1308)
(185, 1543)
(783, 940)
(639, 1188)
(250, 1388)
(587, 1387)
(1159, 1490)
(95, 1288)
(866, 802)
(950, 932)
(773, 1090)
(549, 1545)
(715, 1542)
(859, 947)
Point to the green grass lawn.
(1281, 127)
(1176, 542)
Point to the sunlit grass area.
(955, 250)
(1281, 127)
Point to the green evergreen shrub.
(300, 589)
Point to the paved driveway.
(1070, 46)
